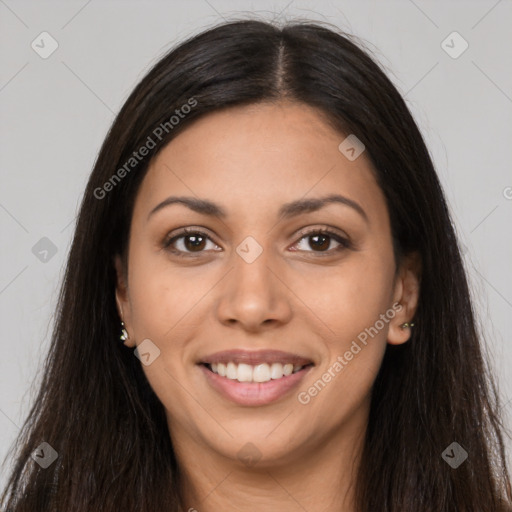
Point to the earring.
(406, 325)
(124, 333)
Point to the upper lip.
(255, 357)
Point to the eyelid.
(190, 230)
(339, 237)
(326, 229)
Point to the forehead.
(251, 159)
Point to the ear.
(122, 299)
(406, 293)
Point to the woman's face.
(258, 291)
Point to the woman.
(265, 232)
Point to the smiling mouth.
(259, 373)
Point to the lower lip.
(254, 393)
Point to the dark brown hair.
(95, 406)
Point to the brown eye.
(188, 242)
(194, 242)
(321, 240)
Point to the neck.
(319, 477)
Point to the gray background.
(56, 111)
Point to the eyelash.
(344, 243)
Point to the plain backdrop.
(55, 112)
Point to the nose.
(254, 296)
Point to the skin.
(251, 160)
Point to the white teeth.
(232, 371)
(276, 371)
(259, 373)
(244, 373)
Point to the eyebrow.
(287, 210)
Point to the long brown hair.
(95, 407)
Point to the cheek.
(354, 303)
(161, 294)
(162, 301)
(349, 298)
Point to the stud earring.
(406, 325)
(124, 333)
